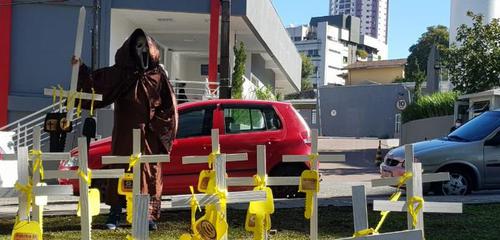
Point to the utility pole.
(225, 80)
(96, 34)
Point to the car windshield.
(477, 128)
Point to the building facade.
(490, 9)
(373, 15)
(43, 36)
(375, 72)
(332, 43)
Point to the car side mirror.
(494, 141)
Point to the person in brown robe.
(144, 98)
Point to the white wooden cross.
(41, 192)
(23, 180)
(262, 173)
(86, 218)
(220, 180)
(414, 189)
(360, 215)
(139, 226)
(314, 166)
(71, 95)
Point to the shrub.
(435, 105)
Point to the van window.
(195, 123)
(237, 120)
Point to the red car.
(243, 124)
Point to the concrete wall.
(360, 111)
(429, 128)
(379, 75)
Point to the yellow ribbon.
(129, 237)
(60, 97)
(79, 108)
(414, 210)
(365, 232)
(27, 190)
(92, 103)
(312, 158)
(404, 178)
(86, 177)
(394, 197)
(194, 205)
(212, 157)
(36, 156)
(133, 161)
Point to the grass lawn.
(477, 222)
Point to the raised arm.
(106, 81)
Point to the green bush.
(435, 105)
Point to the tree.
(416, 76)
(307, 71)
(435, 35)
(474, 66)
(361, 53)
(238, 71)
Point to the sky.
(408, 19)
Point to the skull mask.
(142, 51)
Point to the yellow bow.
(88, 177)
(133, 161)
(27, 190)
(414, 210)
(36, 156)
(260, 182)
(129, 237)
(212, 157)
(365, 232)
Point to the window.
(344, 59)
(238, 120)
(195, 123)
(297, 38)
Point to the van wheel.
(288, 170)
(460, 183)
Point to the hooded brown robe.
(143, 99)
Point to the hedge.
(435, 105)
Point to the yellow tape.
(212, 157)
(414, 210)
(365, 232)
(92, 103)
(87, 178)
(133, 161)
(36, 156)
(27, 190)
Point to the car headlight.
(72, 162)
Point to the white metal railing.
(196, 90)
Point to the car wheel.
(460, 183)
(287, 171)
